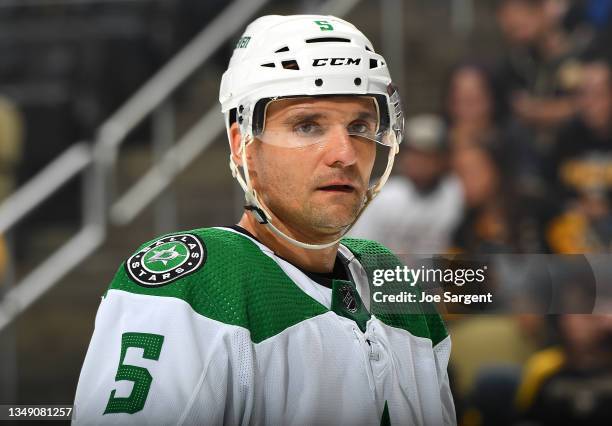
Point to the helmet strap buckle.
(258, 213)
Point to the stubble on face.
(315, 191)
(290, 191)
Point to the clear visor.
(300, 121)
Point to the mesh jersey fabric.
(244, 344)
(228, 289)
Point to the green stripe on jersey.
(237, 285)
(373, 255)
(240, 285)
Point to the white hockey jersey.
(210, 327)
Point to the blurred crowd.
(518, 160)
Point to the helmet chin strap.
(256, 208)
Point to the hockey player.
(270, 321)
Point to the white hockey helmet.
(305, 55)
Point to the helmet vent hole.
(328, 40)
(357, 81)
(269, 65)
(282, 49)
(291, 65)
(373, 63)
(318, 82)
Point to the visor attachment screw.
(318, 82)
(357, 81)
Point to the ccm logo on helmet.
(319, 62)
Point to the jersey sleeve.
(154, 360)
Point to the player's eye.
(361, 128)
(307, 129)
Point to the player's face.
(317, 186)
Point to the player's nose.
(340, 147)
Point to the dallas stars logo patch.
(166, 260)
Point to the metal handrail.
(160, 175)
(45, 276)
(157, 89)
(69, 164)
(99, 161)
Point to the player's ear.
(234, 140)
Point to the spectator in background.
(498, 219)
(472, 111)
(582, 168)
(558, 385)
(570, 383)
(539, 68)
(476, 115)
(588, 23)
(593, 13)
(538, 72)
(418, 210)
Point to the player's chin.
(338, 217)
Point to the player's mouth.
(347, 188)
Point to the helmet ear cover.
(259, 111)
(232, 117)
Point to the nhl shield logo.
(349, 301)
(166, 260)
